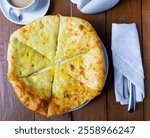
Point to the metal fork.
(129, 93)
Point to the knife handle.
(132, 98)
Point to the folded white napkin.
(94, 6)
(127, 60)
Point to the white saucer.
(38, 12)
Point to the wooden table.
(103, 107)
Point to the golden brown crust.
(75, 82)
(35, 91)
(68, 93)
(33, 102)
(70, 96)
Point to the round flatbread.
(56, 64)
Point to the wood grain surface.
(104, 107)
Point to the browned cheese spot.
(12, 57)
(81, 70)
(27, 54)
(81, 27)
(32, 65)
(72, 67)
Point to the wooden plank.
(97, 109)
(146, 54)
(10, 107)
(127, 11)
(63, 117)
(62, 7)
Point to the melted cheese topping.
(76, 36)
(88, 68)
(41, 35)
(45, 42)
(68, 93)
(24, 60)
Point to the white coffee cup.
(26, 9)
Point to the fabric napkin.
(127, 60)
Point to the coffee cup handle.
(15, 14)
